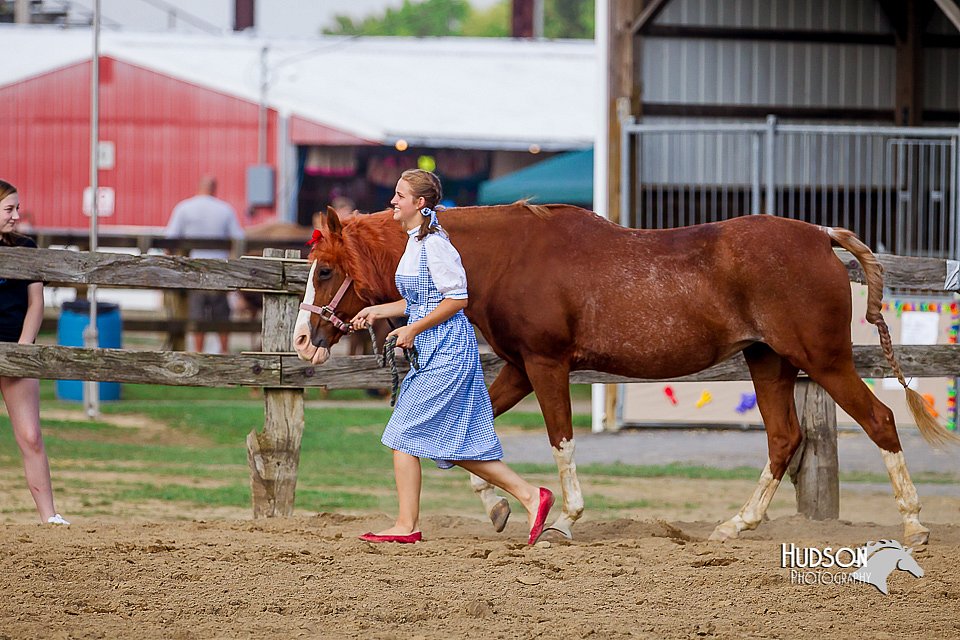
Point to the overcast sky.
(274, 17)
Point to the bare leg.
(22, 397)
(499, 474)
(406, 470)
(224, 342)
(198, 341)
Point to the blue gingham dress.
(443, 411)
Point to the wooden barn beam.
(895, 11)
(761, 111)
(909, 84)
(648, 15)
(951, 10)
(780, 35)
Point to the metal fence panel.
(896, 187)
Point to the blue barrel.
(74, 318)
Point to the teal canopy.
(566, 178)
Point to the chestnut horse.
(556, 288)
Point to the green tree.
(492, 22)
(428, 18)
(562, 19)
(568, 18)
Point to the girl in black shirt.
(21, 311)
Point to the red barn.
(175, 107)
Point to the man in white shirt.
(205, 216)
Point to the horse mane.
(541, 211)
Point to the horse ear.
(909, 551)
(333, 221)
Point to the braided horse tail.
(930, 428)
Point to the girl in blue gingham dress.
(443, 411)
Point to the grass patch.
(343, 466)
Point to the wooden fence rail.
(283, 370)
(289, 275)
(273, 454)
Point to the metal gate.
(896, 187)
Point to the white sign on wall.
(105, 201)
(106, 155)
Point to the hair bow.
(315, 238)
(428, 212)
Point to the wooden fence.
(175, 323)
(273, 453)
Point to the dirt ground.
(640, 567)
(310, 577)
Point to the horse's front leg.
(551, 382)
(510, 387)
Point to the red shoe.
(416, 536)
(546, 501)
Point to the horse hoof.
(917, 536)
(500, 514)
(725, 531)
(557, 531)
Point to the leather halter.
(326, 312)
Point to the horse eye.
(324, 273)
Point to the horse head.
(884, 557)
(909, 564)
(348, 262)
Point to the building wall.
(705, 71)
(742, 72)
(166, 133)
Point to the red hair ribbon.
(315, 238)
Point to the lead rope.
(389, 357)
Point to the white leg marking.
(486, 491)
(906, 496)
(751, 514)
(569, 486)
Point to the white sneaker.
(57, 519)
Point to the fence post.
(274, 453)
(814, 470)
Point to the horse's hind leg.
(773, 379)
(510, 387)
(845, 386)
(551, 381)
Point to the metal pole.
(538, 19)
(598, 395)
(91, 338)
(755, 174)
(955, 144)
(262, 115)
(769, 161)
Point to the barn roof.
(457, 92)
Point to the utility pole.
(21, 12)
(91, 338)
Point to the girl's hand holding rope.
(404, 336)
